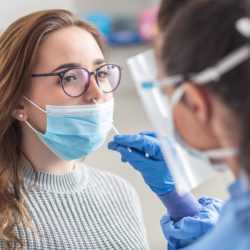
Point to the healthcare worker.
(56, 106)
(202, 57)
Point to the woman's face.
(63, 49)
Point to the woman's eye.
(69, 78)
(102, 74)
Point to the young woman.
(56, 106)
(203, 58)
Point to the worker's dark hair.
(198, 36)
(167, 10)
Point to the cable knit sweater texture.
(85, 209)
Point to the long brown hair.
(19, 46)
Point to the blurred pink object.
(147, 24)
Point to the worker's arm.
(187, 230)
(186, 219)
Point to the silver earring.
(20, 115)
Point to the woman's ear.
(20, 112)
(197, 101)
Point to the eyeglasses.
(75, 81)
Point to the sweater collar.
(71, 182)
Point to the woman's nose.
(93, 91)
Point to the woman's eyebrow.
(76, 65)
(99, 61)
(67, 65)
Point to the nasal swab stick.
(129, 149)
(117, 132)
(114, 128)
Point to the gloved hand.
(153, 168)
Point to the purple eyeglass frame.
(62, 73)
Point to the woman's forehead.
(72, 44)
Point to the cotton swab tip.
(115, 130)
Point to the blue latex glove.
(152, 168)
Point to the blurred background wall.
(10, 10)
(129, 114)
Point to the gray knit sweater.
(85, 209)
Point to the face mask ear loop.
(178, 93)
(30, 126)
(27, 99)
(223, 153)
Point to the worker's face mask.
(186, 172)
(214, 158)
(74, 132)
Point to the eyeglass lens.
(76, 81)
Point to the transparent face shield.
(187, 171)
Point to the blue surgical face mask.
(215, 157)
(74, 132)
